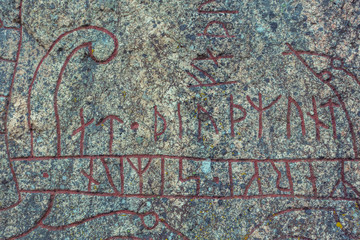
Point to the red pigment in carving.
(8, 97)
(331, 106)
(212, 57)
(162, 176)
(231, 180)
(84, 45)
(7, 60)
(140, 215)
(134, 126)
(332, 60)
(223, 25)
(200, 110)
(122, 177)
(157, 114)
(333, 88)
(215, 60)
(260, 109)
(58, 130)
(90, 176)
(82, 130)
(232, 120)
(256, 177)
(196, 178)
(39, 222)
(202, 71)
(316, 119)
(344, 182)
(77, 223)
(290, 189)
(209, 84)
(180, 121)
(139, 170)
(14, 28)
(312, 179)
(174, 230)
(108, 175)
(288, 128)
(213, 12)
(111, 118)
(288, 175)
(320, 76)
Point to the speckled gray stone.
(143, 119)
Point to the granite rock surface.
(203, 119)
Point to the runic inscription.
(151, 193)
(132, 175)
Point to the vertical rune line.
(82, 130)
